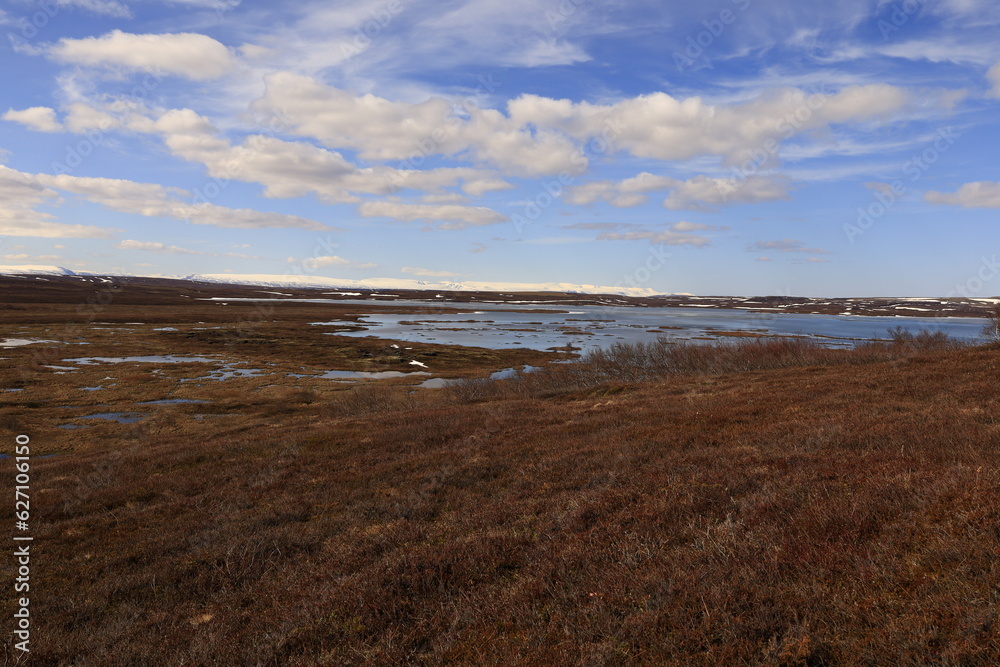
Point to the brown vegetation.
(759, 502)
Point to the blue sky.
(721, 147)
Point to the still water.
(590, 327)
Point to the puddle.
(511, 372)
(13, 390)
(359, 375)
(227, 373)
(172, 401)
(437, 383)
(70, 427)
(61, 368)
(147, 359)
(120, 417)
(166, 329)
(90, 388)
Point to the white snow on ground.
(417, 363)
(18, 342)
(35, 268)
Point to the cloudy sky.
(717, 147)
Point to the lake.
(494, 325)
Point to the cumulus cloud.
(295, 169)
(427, 272)
(190, 55)
(381, 129)
(21, 193)
(662, 127)
(700, 193)
(982, 194)
(705, 193)
(39, 119)
(445, 216)
(20, 196)
(543, 136)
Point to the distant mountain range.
(366, 284)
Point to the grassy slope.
(819, 515)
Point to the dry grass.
(759, 503)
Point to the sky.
(724, 147)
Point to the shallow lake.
(589, 327)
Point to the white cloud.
(983, 194)
(786, 245)
(81, 117)
(685, 226)
(704, 192)
(189, 55)
(20, 195)
(666, 237)
(701, 192)
(427, 272)
(449, 216)
(153, 246)
(994, 77)
(382, 129)
(662, 127)
(541, 135)
(295, 169)
(314, 263)
(101, 7)
(588, 193)
(32, 259)
(39, 119)
(148, 199)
